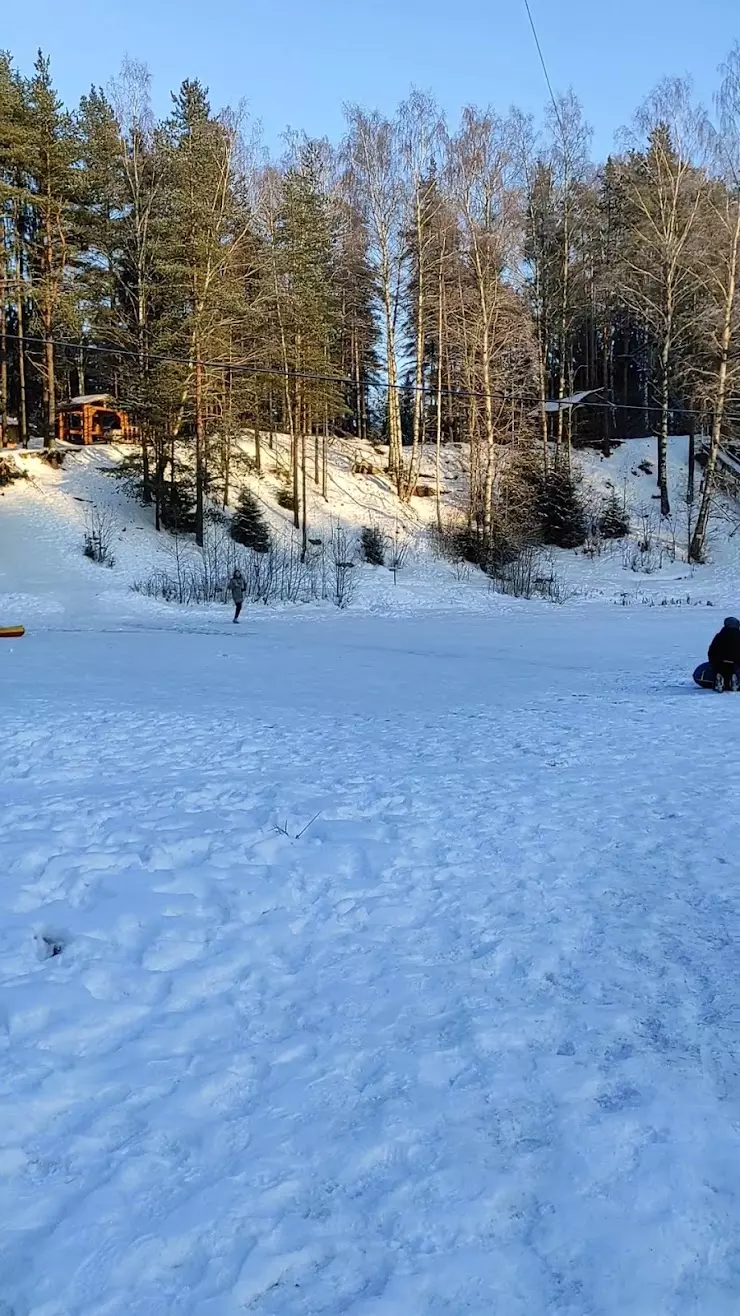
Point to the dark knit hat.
(732, 623)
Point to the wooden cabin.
(95, 418)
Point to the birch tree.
(421, 134)
(663, 188)
(721, 253)
(376, 185)
(480, 177)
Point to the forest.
(415, 284)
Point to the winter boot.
(735, 683)
(719, 683)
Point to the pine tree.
(52, 180)
(206, 232)
(15, 213)
(614, 522)
(248, 526)
(562, 511)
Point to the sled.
(12, 632)
(704, 677)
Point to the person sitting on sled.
(724, 656)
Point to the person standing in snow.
(238, 586)
(724, 656)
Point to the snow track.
(468, 1044)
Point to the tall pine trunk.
(3, 348)
(19, 310)
(304, 497)
(49, 390)
(48, 323)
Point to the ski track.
(469, 1045)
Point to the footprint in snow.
(49, 944)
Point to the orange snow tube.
(12, 632)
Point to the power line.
(244, 368)
(544, 68)
(277, 372)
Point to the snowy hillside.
(42, 525)
(358, 964)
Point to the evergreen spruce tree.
(248, 526)
(563, 515)
(614, 522)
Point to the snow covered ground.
(379, 963)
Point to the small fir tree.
(249, 527)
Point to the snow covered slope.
(359, 964)
(42, 522)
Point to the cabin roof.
(90, 400)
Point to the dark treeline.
(414, 284)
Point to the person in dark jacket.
(238, 586)
(724, 656)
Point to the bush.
(563, 515)
(529, 575)
(614, 521)
(372, 544)
(280, 575)
(99, 534)
(457, 543)
(248, 526)
(342, 550)
(10, 472)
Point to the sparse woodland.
(416, 284)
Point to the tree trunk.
(22, 405)
(304, 497)
(418, 415)
(296, 461)
(199, 449)
(257, 447)
(146, 481)
(3, 361)
(395, 465)
(665, 353)
(160, 460)
(698, 542)
(440, 330)
(50, 417)
(563, 321)
(48, 323)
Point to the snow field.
(467, 1044)
(379, 963)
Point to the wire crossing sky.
(296, 63)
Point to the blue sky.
(296, 62)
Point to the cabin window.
(108, 420)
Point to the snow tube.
(11, 632)
(704, 677)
